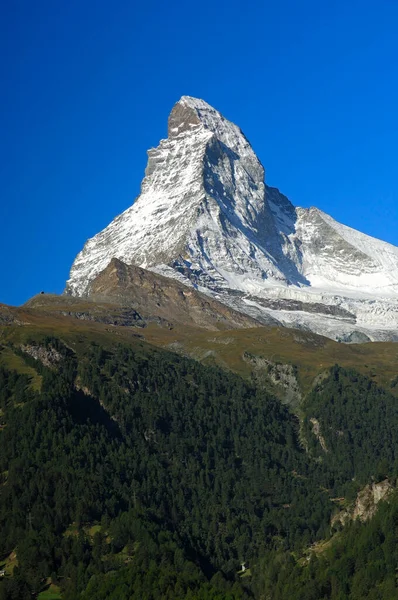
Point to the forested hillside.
(129, 472)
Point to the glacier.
(206, 217)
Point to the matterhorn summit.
(206, 217)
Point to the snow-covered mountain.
(206, 217)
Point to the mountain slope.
(131, 472)
(172, 461)
(152, 295)
(206, 217)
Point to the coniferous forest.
(134, 473)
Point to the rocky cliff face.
(154, 295)
(365, 506)
(206, 218)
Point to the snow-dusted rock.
(206, 217)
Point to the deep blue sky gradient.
(87, 87)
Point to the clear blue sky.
(87, 87)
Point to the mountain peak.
(189, 113)
(196, 103)
(183, 117)
(205, 217)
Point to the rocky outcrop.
(366, 503)
(49, 357)
(152, 295)
(282, 376)
(316, 430)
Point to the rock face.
(48, 356)
(283, 377)
(316, 429)
(152, 294)
(206, 218)
(366, 503)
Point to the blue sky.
(88, 85)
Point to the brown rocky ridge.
(151, 294)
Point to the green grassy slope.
(309, 353)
